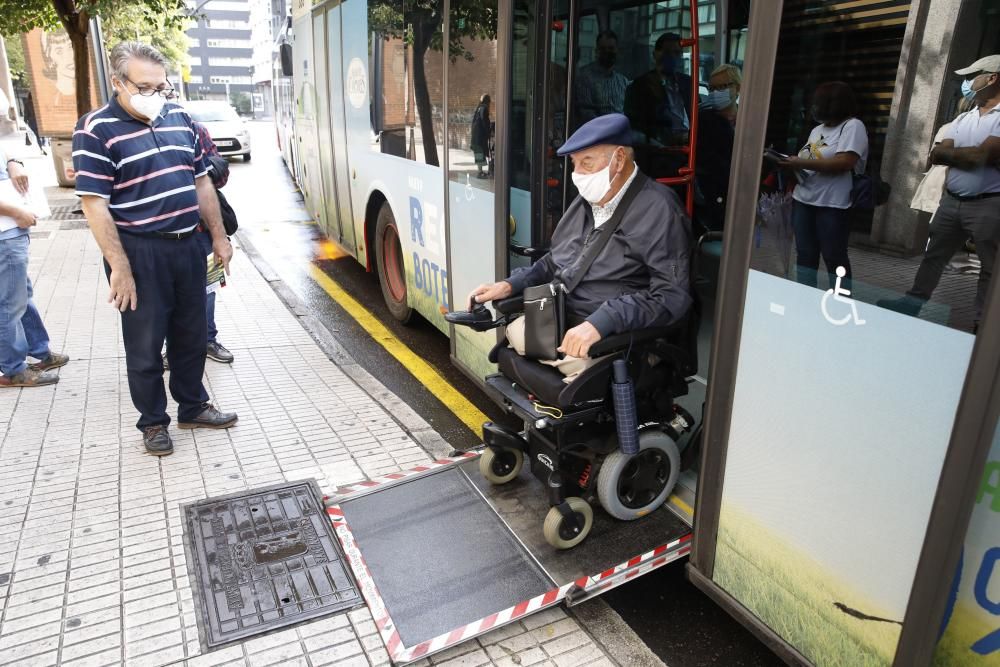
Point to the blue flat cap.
(612, 128)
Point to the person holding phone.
(837, 149)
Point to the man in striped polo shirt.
(143, 180)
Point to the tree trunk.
(77, 25)
(81, 65)
(422, 32)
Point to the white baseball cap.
(985, 64)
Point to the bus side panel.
(307, 141)
(415, 191)
(338, 56)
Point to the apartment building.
(220, 48)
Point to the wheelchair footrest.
(520, 402)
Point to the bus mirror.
(286, 59)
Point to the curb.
(411, 422)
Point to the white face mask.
(149, 107)
(593, 187)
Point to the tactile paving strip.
(263, 560)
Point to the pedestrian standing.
(970, 205)
(837, 149)
(143, 180)
(22, 332)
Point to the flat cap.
(985, 64)
(612, 129)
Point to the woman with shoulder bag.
(837, 150)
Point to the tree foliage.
(15, 60)
(140, 22)
(419, 24)
(20, 16)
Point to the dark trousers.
(205, 240)
(820, 231)
(953, 223)
(170, 285)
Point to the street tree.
(419, 23)
(20, 16)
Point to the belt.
(985, 195)
(174, 236)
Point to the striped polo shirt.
(145, 171)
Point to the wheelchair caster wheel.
(500, 466)
(564, 534)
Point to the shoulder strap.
(607, 230)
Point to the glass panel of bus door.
(852, 339)
(471, 139)
(322, 52)
(340, 78)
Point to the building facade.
(220, 49)
(262, 37)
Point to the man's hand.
(123, 294)
(223, 250)
(18, 176)
(24, 218)
(484, 293)
(577, 341)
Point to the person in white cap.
(970, 205)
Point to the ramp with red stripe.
(441, 556)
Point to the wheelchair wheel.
(500, 466)
(563, 536)
(632, 486)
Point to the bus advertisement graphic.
(971, 626)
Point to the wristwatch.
(17, 161)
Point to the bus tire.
(633, 486)
(391, 269)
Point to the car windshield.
(209, 114)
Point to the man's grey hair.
(126, 51)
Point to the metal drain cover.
(263, 560)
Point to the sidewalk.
(92, 564)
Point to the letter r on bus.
(416, 221)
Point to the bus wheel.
(632, 486)
(391, 271)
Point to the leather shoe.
(210, 418)
(53, 360)
(157, 440)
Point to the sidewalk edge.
(414, 425)
(614, 635)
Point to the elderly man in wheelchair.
(600, 338)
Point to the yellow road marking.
(675, 500)
(462, 408)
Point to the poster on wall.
(970, 630)
(836, 446)
(49, 60)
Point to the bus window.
(406, 78)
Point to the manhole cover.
(263, 560)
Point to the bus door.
(323, 53)
(842, 409)
(343, 73)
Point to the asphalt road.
(682, 626)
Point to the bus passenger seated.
(639, 280)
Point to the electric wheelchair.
(570, 436)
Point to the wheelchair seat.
(547, 385)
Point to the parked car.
(227, 129)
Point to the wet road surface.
(678, 623)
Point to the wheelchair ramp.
(441, 556)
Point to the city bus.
(848, 476)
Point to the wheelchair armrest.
(510, 306)
(619, 342)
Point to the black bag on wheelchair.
(545, 305)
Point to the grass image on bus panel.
(826, 620)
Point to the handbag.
(545, 305)
(229, 221)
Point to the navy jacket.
(641, 278)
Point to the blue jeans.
(820, 231)
(22, 333)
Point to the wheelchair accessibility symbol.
(839, 295)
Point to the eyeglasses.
(722, 86)
(165, 91)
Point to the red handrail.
(685, 175)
